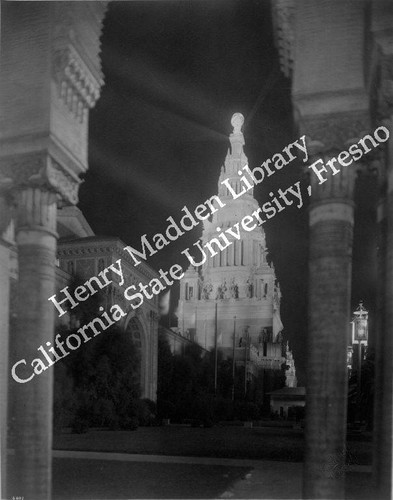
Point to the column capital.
(333, 132)
(39, 170)
(35, 215)
(338, 188)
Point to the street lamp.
(360, 336)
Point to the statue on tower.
(207, 290)
(249, 288)
(234, 289)
(277, 323)
(224, 289)
(237, 122)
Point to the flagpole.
(233, 358)
(196, 335)
(215, 352)
(205, 331)
(245, 365)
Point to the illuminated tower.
(238, 281)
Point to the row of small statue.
(222, 290)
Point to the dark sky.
(175, 72)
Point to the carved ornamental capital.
(338, 188)
(334, 132)
(38, 170)
(36, 210)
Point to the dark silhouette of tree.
(186, 387)
(98, 384)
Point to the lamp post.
(233, 358)
(360, 336)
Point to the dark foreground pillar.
(383, 404)
(32, 420)
(331, 220)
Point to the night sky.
(175, 72)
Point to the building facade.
(81, 255)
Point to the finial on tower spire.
(237, 122)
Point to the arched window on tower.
(242, 260)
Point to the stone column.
(50, 77)
(383, 402)
(380, 328)
(331, 220)
(5, 244)
(386, 469)
(36, 244)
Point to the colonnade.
(50, 77)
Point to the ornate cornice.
(77, 86)
(283, 12)
(76, 65)
(83, 251)
(95, 248)
(38, 170)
